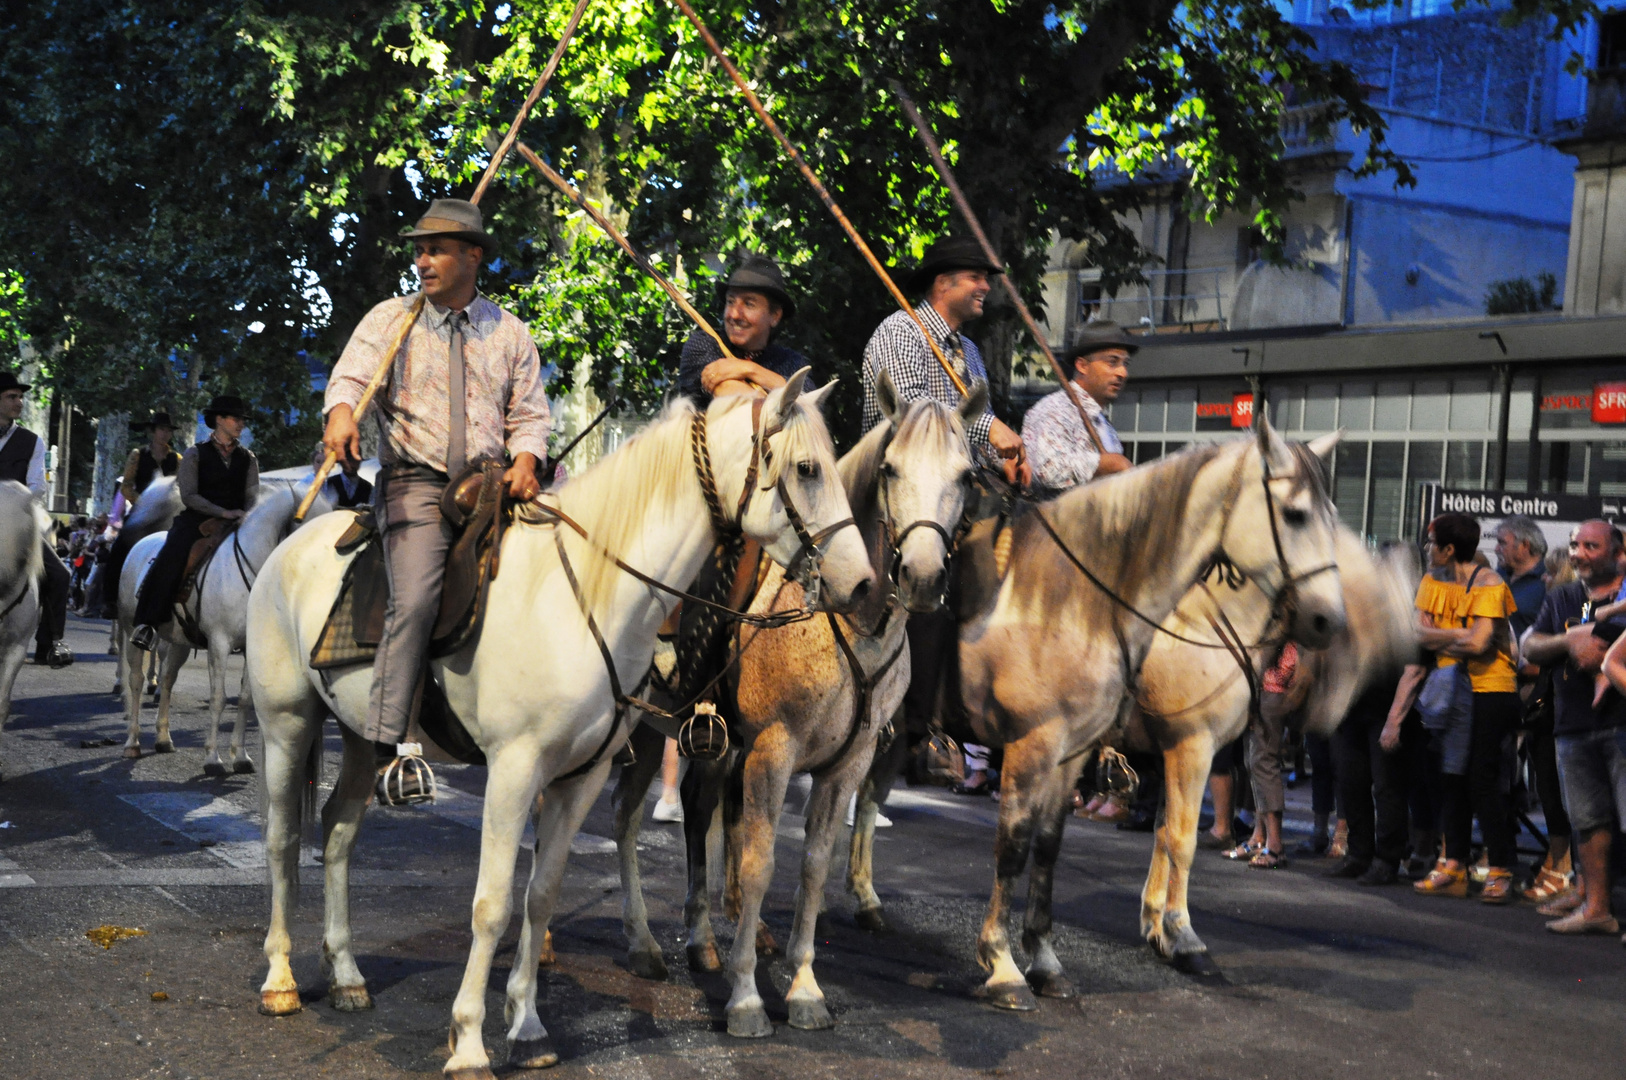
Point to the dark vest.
(147, 465)
(17, 453)
(345, 501)
(223, 483)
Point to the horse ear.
(1321, 446)
(781, 400)
(974, 404)
(886, 396)
(1272, 447)
(814, 399)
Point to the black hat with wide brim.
(225, 405)
(946, 256)
(456, 218)
(758, 273)
(159, 419)
(1102, 334)
(8, 381)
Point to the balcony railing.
(1200, 303)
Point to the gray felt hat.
(457, 218)
(758, 273)
(1102, 334)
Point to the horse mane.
(859, 468)
(1126, 527)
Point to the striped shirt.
(898, 347)
(505, 398)
(1059, 449)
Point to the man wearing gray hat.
(1062, 453)
(465, 386)
(755, 304)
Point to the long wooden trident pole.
(387, 357)
(795, 156)
(970, 216)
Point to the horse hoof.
(214, 768)
(350, 998)
(532, 1054)
(280, 1002)
(749, 1023)
(243, 766)
(1196, 963)
(647, 964)
(132, 752)
(873, 920)
(1014, 996)
(810, 1015)
(703, 958)
(1052, 984)
(766, 945)
(163, 747)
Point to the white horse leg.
(1029, 768)
(766, 775)
(132, 661)
(288, 732)
(563, 808)
(511, 783)
(240, 761)
(120, 663)
(175, 656)
(217, 653)
(828, 800)
(1052, 804)
(11, 662)
(341, 821)
(643, 952)
(1186, 769)
(1154, 894)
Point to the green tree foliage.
(205, 196)
(1517, 296)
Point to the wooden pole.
(530, 100)
(610, 230)
(970, 216)
(824, 195)
(361, 406)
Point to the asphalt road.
(1321, 978)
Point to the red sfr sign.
(1242, 410)
(1609, 403)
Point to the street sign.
(1556, 514)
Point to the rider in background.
(22, 458)
(755, 305)
(218, 479)
(157, 458)
(1059, 449)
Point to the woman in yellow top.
(1463, 609)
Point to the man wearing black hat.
(953, 278)
(755, 303)
(1062, 453)
(219, 479)
(157, 458)
(465, 386)
(22, 458)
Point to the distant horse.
(1193, 698)
(154, 510)
(534, 690)
(22, 523)
(218, 609)
(803, 708)
(1046, 662)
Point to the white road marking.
(12, 876)
(467, 810)
(231, 831)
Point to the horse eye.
(807, 470)
(889, 470)
(1294, 516)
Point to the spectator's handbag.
(1446, 705)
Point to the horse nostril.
(862, 589)
(1322, 626)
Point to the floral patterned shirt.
(506, 399)
(1059, 449)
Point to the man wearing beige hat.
(465, 386)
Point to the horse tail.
(310, 780)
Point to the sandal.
(1444, 880)
(1244, 851)
(1268, 860)
(1549, 885)
(963, 789)
(1498, 886)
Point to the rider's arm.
(127, 483)
(186, 482)
(251, 489)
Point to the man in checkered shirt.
(954, 278)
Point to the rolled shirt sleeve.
(36, 470)
(528, 419)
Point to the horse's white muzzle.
(922, 571)
(1317, 615)
(846, 577)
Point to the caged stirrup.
(407, 779)
(703, 736)
(1115, 777)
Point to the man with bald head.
(1589, 727)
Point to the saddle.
(214, 532)
(472, 504)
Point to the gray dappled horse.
(22, 523)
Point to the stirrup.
(1115, 777)
(884, 737)
(407, 779)
(703, 736)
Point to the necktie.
(457, 439)
(956, 355)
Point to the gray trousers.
(416, 539)
(1265, 755)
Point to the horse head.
(923, 480)
(783, 477)
(1283, 534)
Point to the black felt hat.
(946, 256)
(1102, 334)
(159, 419)
(758, 273)
(8, 381)
(225, 405)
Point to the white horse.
(533, 689)
(22, 522)
(1193, 698)
(801, 708)
(154, 510)
(218, 607)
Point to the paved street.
(1321, 978)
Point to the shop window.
(1286, 407)
(1470, 405)
(1465, 465)
(1392, 409)
(1608, 469)
(1355, 410)
(1321, 407)
(1430, 405)
(1349, 484)
(1518, 467)
(1151, 410)
(1425, 464)
(1147, 451)
(1122, 411)
(1173, 448)
(1182, 410)
(1388, 490)
(1521, 407)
